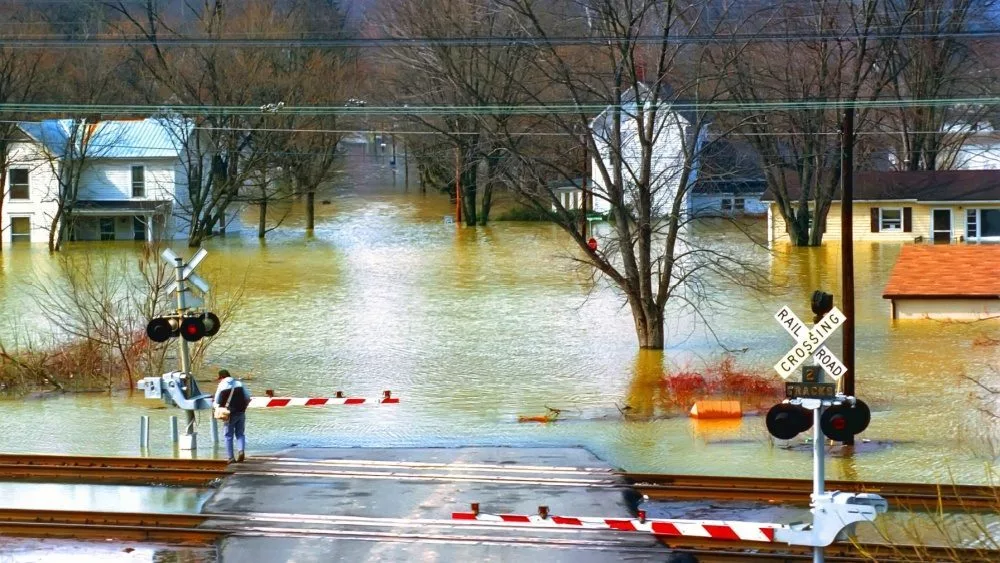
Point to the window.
(138, 181)
(20, 229)
(740, 204)
(891, 219)
(727, 204)
(989, 223)
(19, 188)
(971, 224)
(139, 227)
(107, 228)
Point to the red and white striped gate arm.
(271, 402)
(715, 529)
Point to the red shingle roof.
(946, 271)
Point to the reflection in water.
(647, 395)
(472, 327)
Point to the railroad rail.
(657, 487)
(206, 529)
(117, 470)
(915, 496)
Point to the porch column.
(149, 228)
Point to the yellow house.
(940, 206)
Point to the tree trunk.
(648, 324)
(469, 196)
(310, 210)
(55, 236)
(262, 222)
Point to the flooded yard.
(475, 327)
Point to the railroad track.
(915, 496)
(117, 470)
(657, 487)
(207, 529)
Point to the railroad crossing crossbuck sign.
(810, 343)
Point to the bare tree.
(645, 145)
(798, 144)
(470, 76)
(223, 151)
(931, 60)
(70, 146)
(21, 75)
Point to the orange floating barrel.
(716, 409)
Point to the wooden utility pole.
(458, 188)
(583, 194)
(847, 247)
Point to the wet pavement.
(62, 551)
(344, 504)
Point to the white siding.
(41, 206)
(666, 162)
(111, 180)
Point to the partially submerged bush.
(722, 380)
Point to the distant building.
(726, 178)
(133, 183)
(940, 206)
(673, 131)
(945, 282)
(730, 180)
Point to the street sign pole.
(185, 280)
(819, 463)
(190, 439)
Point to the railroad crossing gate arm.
(834, 518)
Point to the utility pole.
(406, 167)
(458, 188)
(847, 248)
(583, 190)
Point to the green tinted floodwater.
(473, 327)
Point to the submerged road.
(371, 507)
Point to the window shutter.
(874, 219)
(907, 219)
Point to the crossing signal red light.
(192, 329)
(785, 421)
(162, 329)
(842, 422)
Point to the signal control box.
(170, 387)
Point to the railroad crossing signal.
(842, 422)
(190, 327)
(810, 342)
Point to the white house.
(132, 184)
(726, 178)
(673, 137)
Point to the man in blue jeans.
(237, 405)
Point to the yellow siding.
(862, 221)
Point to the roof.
(119, 207)
(945, 272)
(146, 138)
(602, 124)
(936, 185)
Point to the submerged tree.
(650, 100)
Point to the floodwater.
(473, 327)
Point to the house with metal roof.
(945, 282)
(889, 206)
(131, 183)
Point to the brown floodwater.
(473, 327)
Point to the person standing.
(233, 395)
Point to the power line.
(30, 42)
(590, 109)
